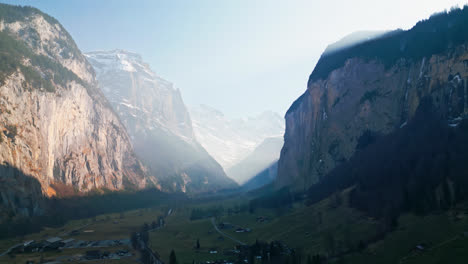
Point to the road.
(225, 235)
(8, 251)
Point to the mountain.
(228, 140)
(353, 39)
(157, 121)
(375, 88)
(58, 133)
(263, 178)
(261, 158)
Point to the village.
(58, 244)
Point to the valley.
(325, 229)
(103, 161)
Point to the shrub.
(11, 132)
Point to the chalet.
(68, 242)
(53, 243)
(34, 247)
(93, 254)
(243, 230)
(53, 246)
(225, 225)
(122, 252)
(26, 243)
(53, 240)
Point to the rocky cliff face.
(158, 122)
(325, 126)
(57, 128)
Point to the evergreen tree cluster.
(43, 72)
(435, 35)
(420, 168)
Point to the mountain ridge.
(160, 127)
(57, 126)
(364, 88)
(229, 140)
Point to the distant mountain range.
(261, 158)
(263, 178)
(157, 121)
(230, 140)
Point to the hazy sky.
(240, 56)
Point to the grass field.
(180, 234)
(323, 228)
(299, 227)
(442, 236)
(103, 227)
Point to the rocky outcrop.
(368, 95)
(57, 127)
(158, 122)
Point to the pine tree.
(134, 240)
(172, 258)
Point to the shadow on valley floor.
(24, 209)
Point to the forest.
(419, 168)
(435, 35)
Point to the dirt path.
(225, 235)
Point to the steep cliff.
(158, 123)
(374, 87)
(58, 132)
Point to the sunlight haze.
(220, 53)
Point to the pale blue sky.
(239, 56)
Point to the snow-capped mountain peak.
(137, 92)
(231, 140)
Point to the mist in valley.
(256, 132)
